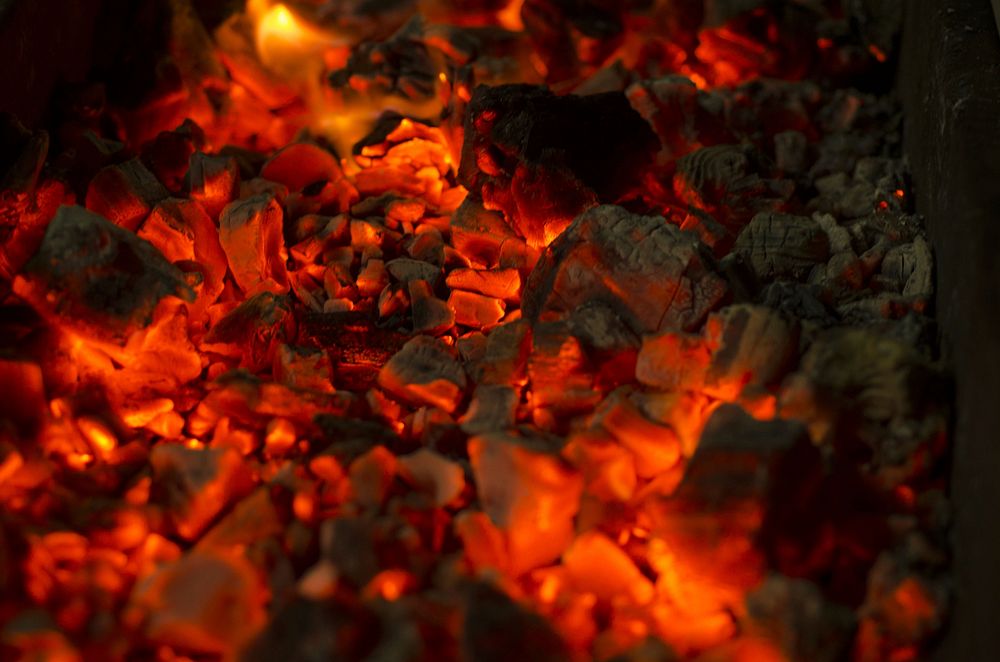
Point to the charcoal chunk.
(542, 158)
(497, 629)
(424, 372)
(99, 277)
(783, 246)
(653, 275)
(125, 193)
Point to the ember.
(549, 329)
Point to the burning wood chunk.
(498, 283)
(250, 231)
(478, 233)
(725, 180)
(794, 614)
(255, 329)
(214, 181)
(745, 481)
(542, 159)
(425, 372)
(493, 409)
(653, 275)
(206, 602)
(125, 193)
(303, 367)
(443, 479)
(195, 485)
(182, 231)
(529, 492)
(99, 278)
(430, 314)
(475, 310)
(783, 246)
(497, 629)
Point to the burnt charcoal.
(559, 370)
(425, 372)
(863, 386)
(346, 439)
(214, 181)
(683, 116)
(492, 409)
(650, 273)
(184, 233)
(795, 614)
(97, 276)
(598, 326)
(798, 301)
(430, 314)
(255, 328)
(475, 310)
(357, 346)
(542, 159)
(728, 182)
(401, 66)
(478, 232)
(178, 604)
(498, 283)
(195, 485)
(251, 233)
(782, 246)
(529, 491)
(125, 193)
(505, 356)
(570, 34)
(753, 345)
(405, 270)
(303, 630)
(434, 475)
(301, 165)
(790, 152)
(747, 480)
(911, 266)
(169, 154)
(496, 629)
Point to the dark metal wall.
(950, 84)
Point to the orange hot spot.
(389, 585)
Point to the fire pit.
(542, 329)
